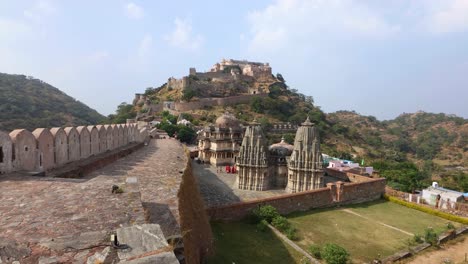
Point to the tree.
(186, 134)
(280, 77)
(257, 105)
(124, 111)
(334, 254)
(188, 94)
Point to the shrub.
(281, 223)
(266, 212)
(334, 254)
(314, 250)
(428, 210)
(291, 233)
(262, 226)
(418, 239)
(450, 226)
(430, 236)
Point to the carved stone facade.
(282, 166)
(305, 170)
(219, 144)
(253, 161)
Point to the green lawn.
(408, 219)
(364, 237)
(241, 243)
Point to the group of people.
(228, 169)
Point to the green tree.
(186, 134)
(188, 94)
(124, 111)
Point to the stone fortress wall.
(45, 149)
(207, 102)
(334, 194)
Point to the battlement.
(45, 149)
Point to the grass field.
(240, 243)
(365, 230)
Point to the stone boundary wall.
(194, 224)
(204, 102)
(347, 176)
(83, 167)
(455, 208)
(45, 149)
(334, 194)
(413, 251)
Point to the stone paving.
(69, 218)
(158, 168)
(219, 188)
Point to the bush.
(281, 223)
(266, 212)
(291, 233)
(450, 226)
(418, 239)
(262, 226)
(314, 250)
(428, 210)
(430, 236)
(334, 254)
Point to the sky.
(379, 58)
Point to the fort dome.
(227, 120)
(281, 149)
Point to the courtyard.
(366, 231)
(219, 187)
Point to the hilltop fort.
(227, 82)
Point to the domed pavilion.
(219, 143)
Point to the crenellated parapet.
(48, 148)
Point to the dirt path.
(454, 253)
(293, 245)
(380, 223)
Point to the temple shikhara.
(261, 167)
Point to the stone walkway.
(59, 217)
(219, 188)
(158, 168)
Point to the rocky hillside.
(30, 103)
(419, 136)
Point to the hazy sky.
(378, 58)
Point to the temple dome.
(227, 120)
(281, 149)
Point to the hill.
(419, 136)
(26, 102)
(410, 150)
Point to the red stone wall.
(332, 195)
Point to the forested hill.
(420, 136)
(30, 103)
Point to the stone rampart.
(206, 102)
(334, 194)
(194, 224)
(45, 149)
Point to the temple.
(219, 143)
(305, 165)
(281, 166)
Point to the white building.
(441, 197)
